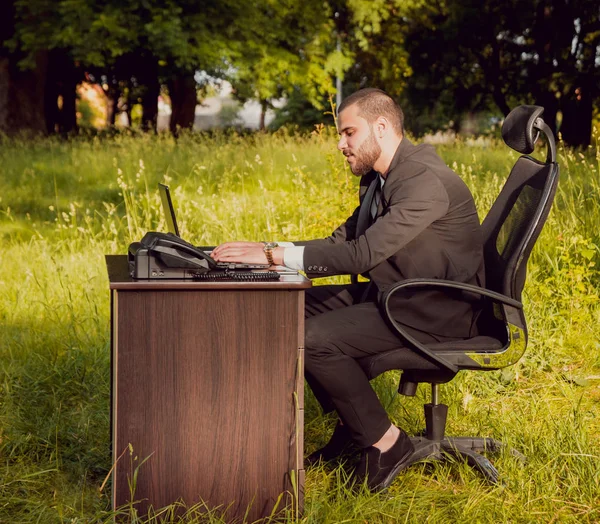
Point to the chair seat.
(406, 359)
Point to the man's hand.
(246, 252)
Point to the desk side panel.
(205, 390)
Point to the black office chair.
(510, 231)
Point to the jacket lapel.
(405, 149)
(364, 215)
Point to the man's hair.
(373, 103)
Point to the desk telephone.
(167, 256)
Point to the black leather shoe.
(380, 469)
(340, 445)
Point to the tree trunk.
(51, 110)
(500, 99)
(264, 105)
(147, 74)
(112, 107)
(129, 109)
(182, 90)
(548, 23)
(22, 95)
(493, 72)
(69, 108)
(4, 90)
(549, 102)
(63, 77)
(150, 105)
(577, 110)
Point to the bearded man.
(416, 219)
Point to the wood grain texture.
(205, 387)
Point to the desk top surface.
(118, 276)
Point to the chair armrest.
(426, 282)
(434, 282)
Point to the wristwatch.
(268, 249)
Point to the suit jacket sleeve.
(413, 204)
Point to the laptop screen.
(168, 209)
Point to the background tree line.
(440, 59)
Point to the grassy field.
(63, 205)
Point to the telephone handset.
(174, 252)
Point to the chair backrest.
(516, 218)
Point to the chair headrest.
(518, 130)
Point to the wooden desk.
(207, 387)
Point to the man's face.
(357, 141)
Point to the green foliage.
(186, 35)
(298, 52)
(373, 34)
(229, 115)
(445, 59)
(473, 55)
(63, 205)
(300, 112)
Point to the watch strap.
(268, 249)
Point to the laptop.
(169, 211)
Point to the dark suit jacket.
(426, 227)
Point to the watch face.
(271, 245)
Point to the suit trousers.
(343, 323)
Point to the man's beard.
(366, 156)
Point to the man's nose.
(341, 145)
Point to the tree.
(373, 33)
(21, 92)
(132, 45)
(190, 36)
(296, 56)
(364, 47)
(468, 55)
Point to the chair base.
(462, 448)
(434, 445)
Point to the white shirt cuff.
(293, 256)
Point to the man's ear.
(382, 126)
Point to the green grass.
(63, 205)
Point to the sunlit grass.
(63, 205)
